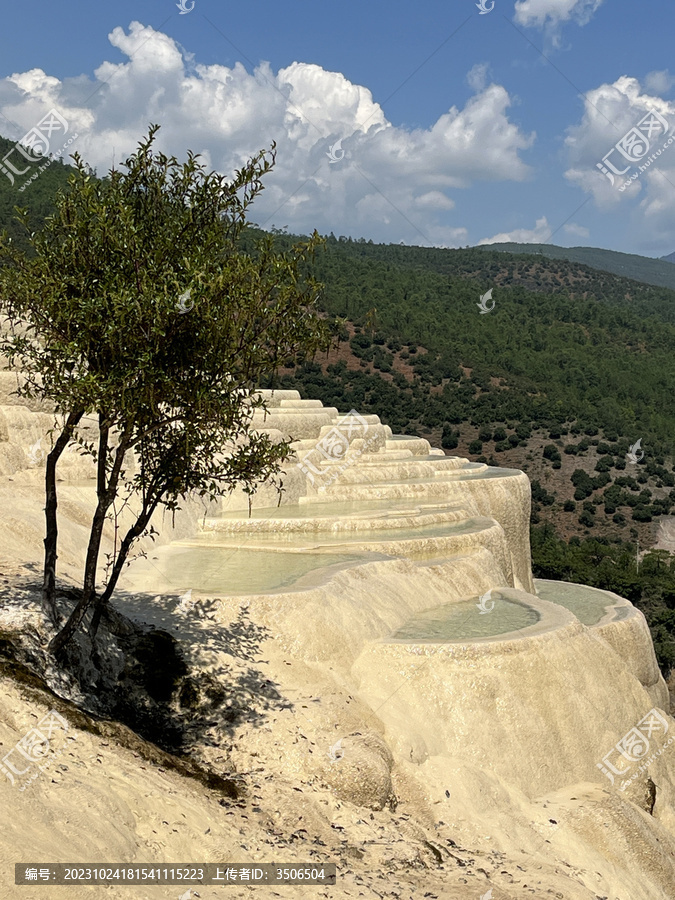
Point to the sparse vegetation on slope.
(628, 265)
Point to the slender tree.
(139, 305)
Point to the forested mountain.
(563, 343)
(630, 265)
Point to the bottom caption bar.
(174, 873)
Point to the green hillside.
(640, 268)
(531, 271)
(37, 195)
(563, 344)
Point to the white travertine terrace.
(376, 536)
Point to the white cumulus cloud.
(540, 234)
(613, 112)
(392, 183)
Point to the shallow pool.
(464, 621)
(225, 570)
(343, 508)
(331, 537)
(588, 604)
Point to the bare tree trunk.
(89, 588)
(132, 534)
(106, 490)
(51, 532)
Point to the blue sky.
(455, 128)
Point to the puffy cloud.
(553, 12)
(576, 230)
(434, 200)
(391, 183)
(540, 234)
(611, 112)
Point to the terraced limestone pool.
(233, 570)
(345, 508)
(330, 538)
(588, 604)
(464, 621)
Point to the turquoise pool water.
(463, 621)
(588, 604)
(224, 570)
(328, 537)
(343, 508)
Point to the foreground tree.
(139, 306)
